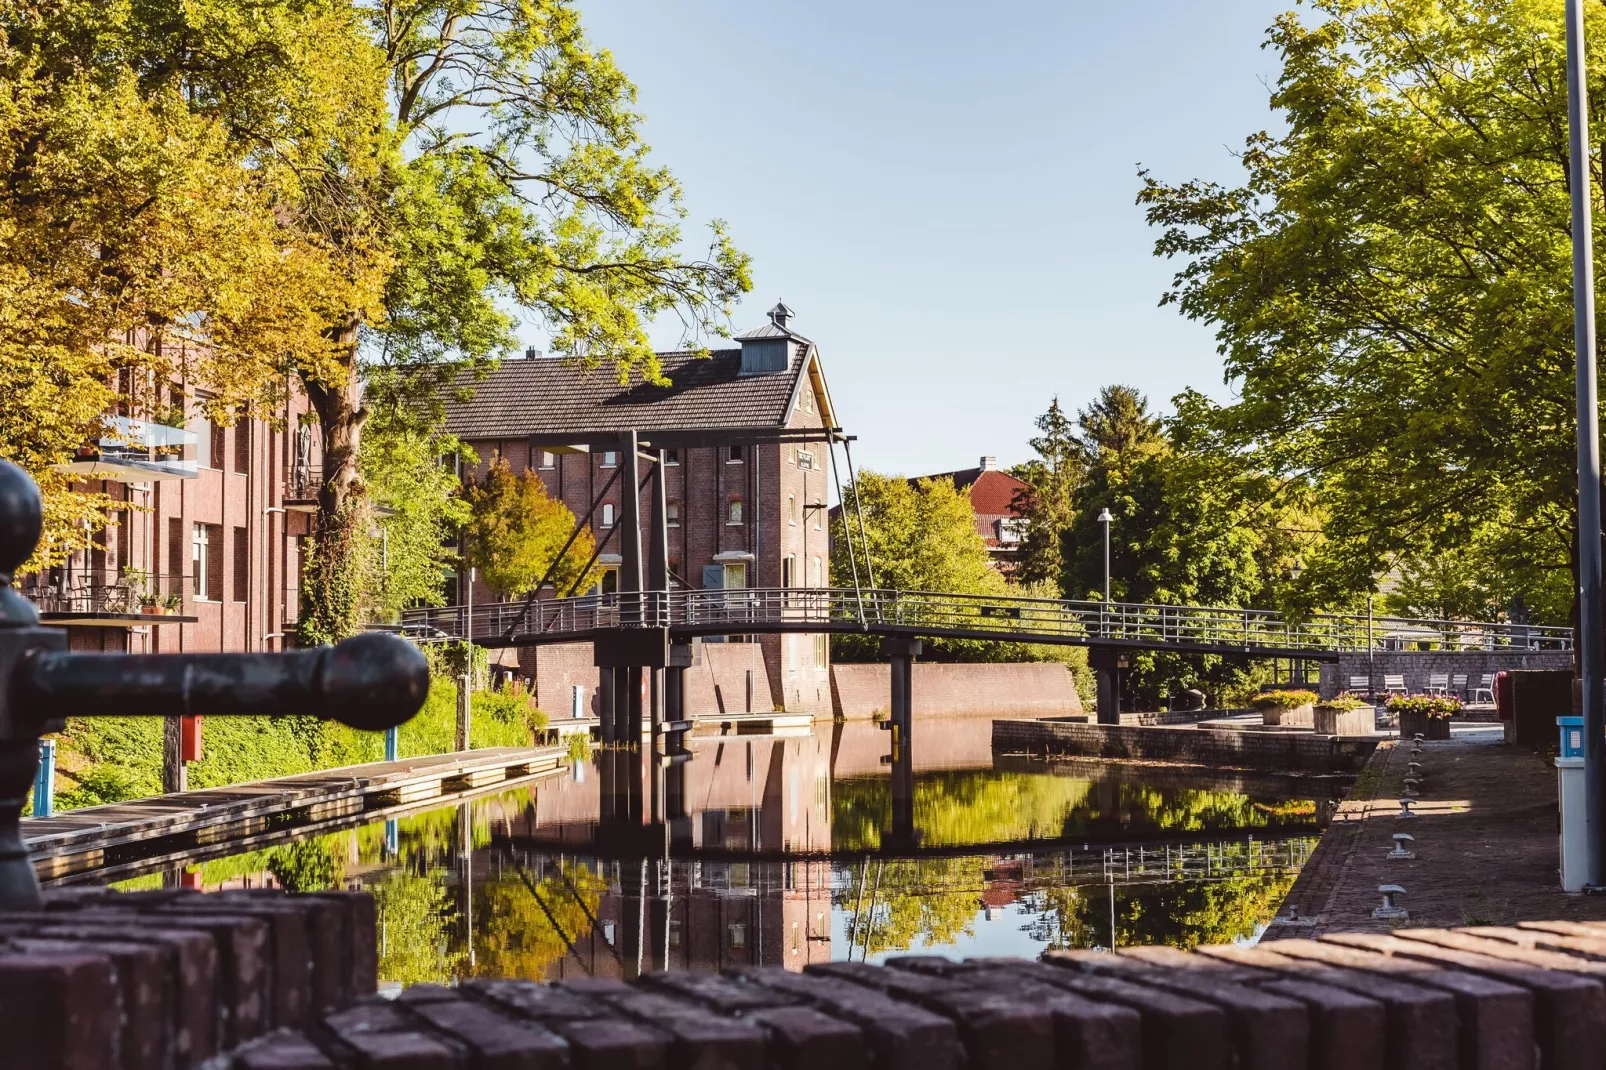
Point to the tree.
(1391, 287)
(516, 530)
(521, 183)
(1046, 506)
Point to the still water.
(786, 851)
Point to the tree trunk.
(330, 586)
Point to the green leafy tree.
(516, 530)
(1047, 506)
(1391, 283)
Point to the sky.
(943, 192)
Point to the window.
(817, 573)
(738, 933)
(1010, 530)
(219, 447)
(672, 513)
(789, 570)
(736, 455)
(549, 459)
(791, 509)
(242, 446)
(610, 581)
(607, 514)
(733, 511)
(671, 456)
(242, 565)
(206, 561)
(805, 401)
(821, 649)
(610, 458)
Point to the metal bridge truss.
(989, 617)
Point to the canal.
(784, 852)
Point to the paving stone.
(1548, 935)
(1087, 1034)
(146, 996)
(1420, 1031)
(427, 993)
(1268, 1031)
(1569, 1011)
(998, 1031)
(614, 1044)
(401, 1051)
(358, 942)
(193, 965)
(1178, 1033)
(802, 1038)
(282, 1052)
(53, 1011)
(295, 941)
(372, 1016)
(1495, 1019)
(495, 1041)
(728, 995)
(901, 1035)
(542, 1002)
(242, 945)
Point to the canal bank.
(1212, 748)
(1484, 841)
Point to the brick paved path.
(1486, 850)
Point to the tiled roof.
(550, 396)
(992, 492)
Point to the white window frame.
(548, 459)
(610, 458)
(733, 513)
(607, 518)
(672, 513)
(736, 454)
(200, 560)
(791, 510)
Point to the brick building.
(748, 512)
(208, 555)
(992, 497)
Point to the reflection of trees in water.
(1179, 913)
(416, 925)
(891, 905)
(994, 806)
(522, 925)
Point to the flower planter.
(1412, 722)
(1333, 721)
(153, 611)
(1299, 716)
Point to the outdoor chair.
(1438, 683)
(1485, 687)
(1360, 685)
(1458, 685)
(1394, 684)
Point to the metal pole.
(1590, 658)
(1106, 519)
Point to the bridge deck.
(1000, 618)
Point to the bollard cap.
(1390, 889)
(373, 681)
(1404, 837)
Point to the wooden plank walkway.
(77, 840)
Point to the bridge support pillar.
(1108, 664)
(902, 653)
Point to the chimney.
(530, 352)
(989, 464)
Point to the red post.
(189, 739)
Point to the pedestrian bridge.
(1004, 618)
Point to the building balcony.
(302, 482)
(135, 451)
(136, 599)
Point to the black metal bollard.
(371, 682)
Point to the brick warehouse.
(746, 514)
(208, 555)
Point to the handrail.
(1080, 621)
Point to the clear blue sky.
(944, 191)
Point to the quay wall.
(1222, 748)
(1417, 665)
(1042, 688)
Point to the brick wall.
(1418, 665)
(1041, 688)
(1197, 746)
(718, 684)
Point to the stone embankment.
(1217, 748)
(263, 981)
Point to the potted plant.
(1427, 714)
(1291, 707)
(173, 603)
(151, 605)
(1344, 715)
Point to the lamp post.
(1590, 653)
(1106, 519)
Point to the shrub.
(1289, 699)
(1345, 701)
(1436, 706)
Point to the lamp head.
(1104, 516)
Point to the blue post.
(392, 840)
(44, 781)
(392, 738)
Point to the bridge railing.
(1029, 619)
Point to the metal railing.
(145, 595)
(302, 482)
(1002, 616)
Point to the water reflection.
(798, 850)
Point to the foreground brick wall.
(1418, 665)
(861, 691)
(1284, 751)
(1510, 999)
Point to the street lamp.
(1106, 519)
(1592, 669)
